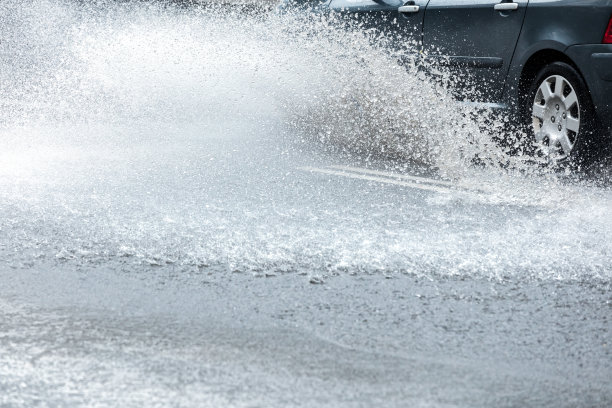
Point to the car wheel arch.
(526, 63)
(536, 62)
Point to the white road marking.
(386, 180)
(416, 179)
(421, 183)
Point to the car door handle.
(408, 9)
(506, 6)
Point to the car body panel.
(596, 63)
(567, 21)
(475, 41)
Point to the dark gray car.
(548, 62)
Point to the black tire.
(587, 141)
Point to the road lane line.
(417, 179)
(421, 183)
(410, 184)
(381, 173)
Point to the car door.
(399, 18)
(474, 40)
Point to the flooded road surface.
(99, 338)
(203, 208)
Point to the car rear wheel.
(560, 115)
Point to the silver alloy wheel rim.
(556, 117)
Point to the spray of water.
(110, 113)
(326, 75)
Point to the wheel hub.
(556, 116)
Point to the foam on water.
(145, 133)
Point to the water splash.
(148, 133)
(329, 76)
